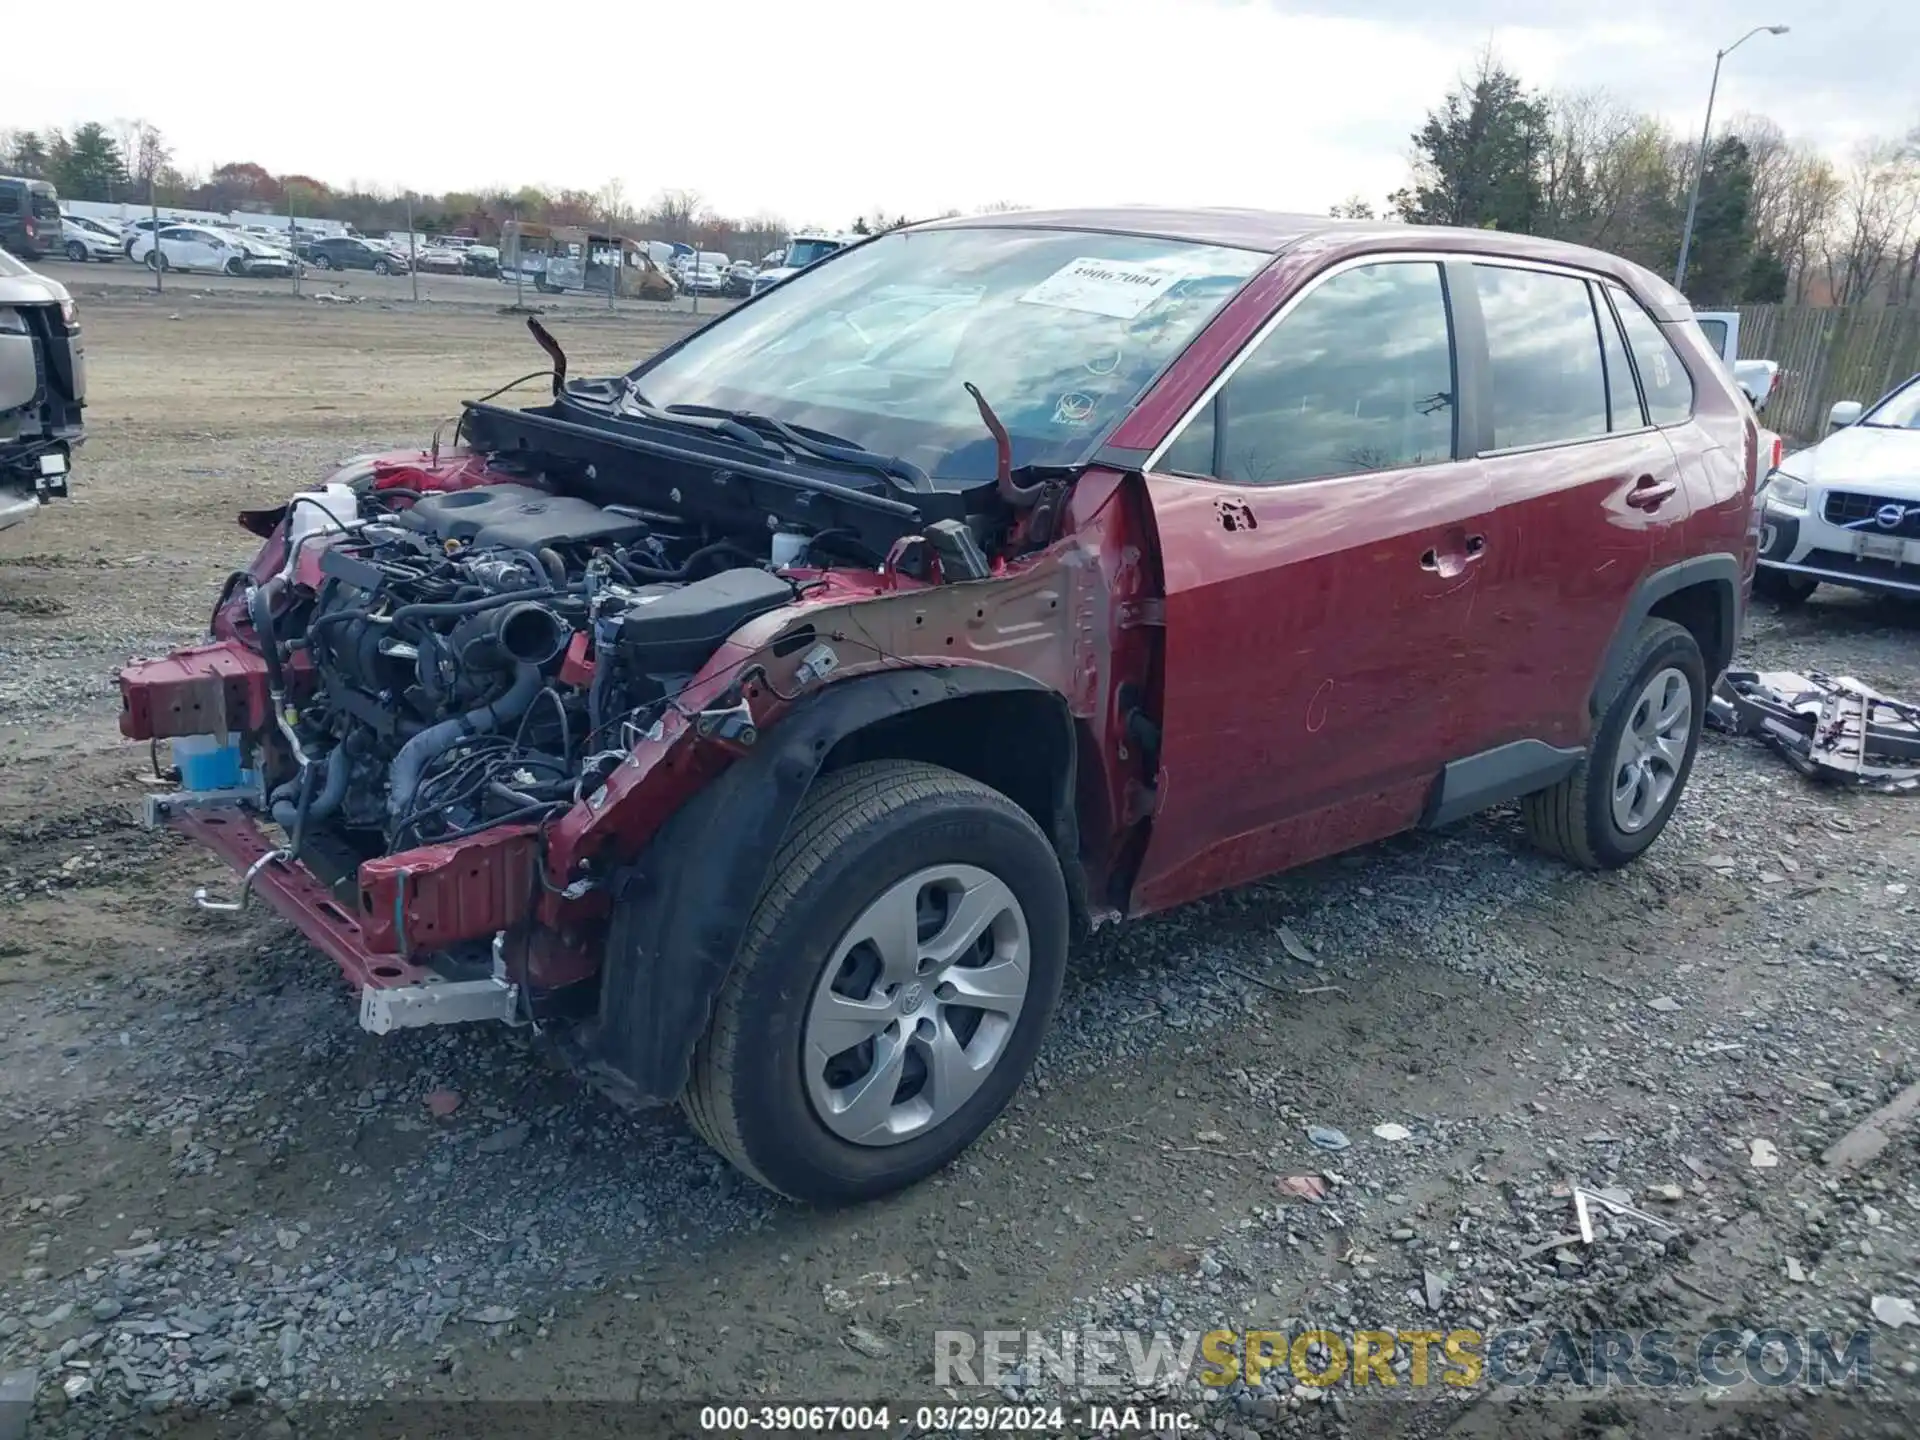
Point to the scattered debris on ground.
(1833, 728)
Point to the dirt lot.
(221, 1201)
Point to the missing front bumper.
(395, 992)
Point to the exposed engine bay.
(487, 654)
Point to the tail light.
(30, 229)
(1779, 454)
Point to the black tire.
(76, 252)
(1574, 819)
(380, 267)
(155, 260)
(858, 832)
(1783, 587)
(321, 262)
(236, 266)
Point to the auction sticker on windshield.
(1104, 287)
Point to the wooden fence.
(1828, 353)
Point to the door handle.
(1650, 494)
(1453, 561)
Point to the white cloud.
(822, 109)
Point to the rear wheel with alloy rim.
(892, 989)
(1620, 798)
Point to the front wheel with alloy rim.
(76, 252)
(1620, 798)
(892, 989)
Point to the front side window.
(1544, 375)
(1061, 331)
(1663, 376)
(1358, 376)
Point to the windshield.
(1899, 411)
(1060, 330)
(805, 252)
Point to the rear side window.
(1663, 377)
(1547, 381)
(9, 199)
(1358, 377)
(1623, 395)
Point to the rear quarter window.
(1663, 375)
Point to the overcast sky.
(819, 110)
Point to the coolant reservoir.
(326, 511)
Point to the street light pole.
(1700, 161)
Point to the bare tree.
(613, 203)
(1795, 191)
(673, 214)
(1875, 218)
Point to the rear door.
(1587, 491)
(1320, 546)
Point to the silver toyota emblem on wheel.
(1888, 517)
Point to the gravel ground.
(221, 1201)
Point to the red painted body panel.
(298, 896)
(1317, 676)
(205, 690)
(1565, 549)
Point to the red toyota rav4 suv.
(763, 721)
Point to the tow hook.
(202, 898)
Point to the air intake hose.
(408, 766)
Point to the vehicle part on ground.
(1832, 728)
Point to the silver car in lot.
(43, 388)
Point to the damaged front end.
(444, 715)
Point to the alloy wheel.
(916, 1005)
(1653, 745)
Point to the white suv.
(1847, 511)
